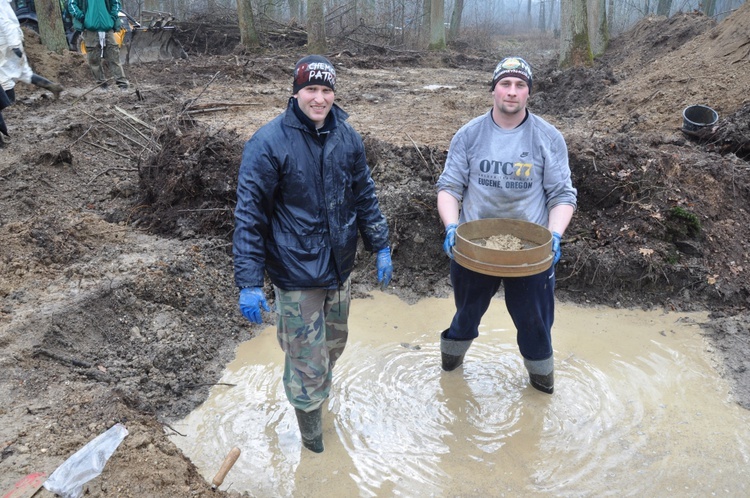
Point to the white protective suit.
(12, 67)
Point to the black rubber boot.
(544, 383)
(451, 362)
(53, 87)
(452, 352)
(311, 429)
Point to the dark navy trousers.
(530, 301)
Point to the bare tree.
(316, 27)
(51, 30)
(437, 25)
(295, 9)
(574, 35)
(455, 26)
(663, 7)
(598, 28)
(542, 25)
(709, 7)
(424, 23)
(248, 34)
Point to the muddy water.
(638, 410)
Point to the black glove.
(18, 52)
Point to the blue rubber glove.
(251, 300)
(556, 247)
(385, 267)
(450, 239)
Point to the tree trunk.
(598, 29)
(248, 34)
(294, 10)
(424, 23)
(709, 7)
(529, 21)
(542, 16)
(51, 30)
(574, 36)
(663, 8)
(316, 27)
(455, 27)
(437, 25)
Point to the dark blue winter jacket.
(301, 202)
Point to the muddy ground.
(116, 293)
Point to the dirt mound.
(188, 188)
(690, 70)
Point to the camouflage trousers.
(111, 55)
(312, 330)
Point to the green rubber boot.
(311, 429)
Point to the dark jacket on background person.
(319, 193)
(4, 102)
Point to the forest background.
(583, 27)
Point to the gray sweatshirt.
(520, 173)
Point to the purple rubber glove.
(252, 299)
(450, 239)
(556, 247)
(385, 267)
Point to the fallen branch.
(206, 110)
(139, 132)
(116, 130)
(175, 430)
(107, 149)
(192, 102)
(60, 358)
(134, 118)
(100, 85)
(432, 175)
(225, 104)
(79, 138)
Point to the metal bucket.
(697, 118)
(535, 257)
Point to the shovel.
(27, 486)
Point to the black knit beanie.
(314, 70)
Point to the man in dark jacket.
(304, 192)
(98, 20)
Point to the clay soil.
(117, 301)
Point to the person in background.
(304, 192)
(4, 102)
(98, 20)
(507, 163)
(14, 66)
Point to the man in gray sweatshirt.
(507, 163)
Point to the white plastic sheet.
(85, 464)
